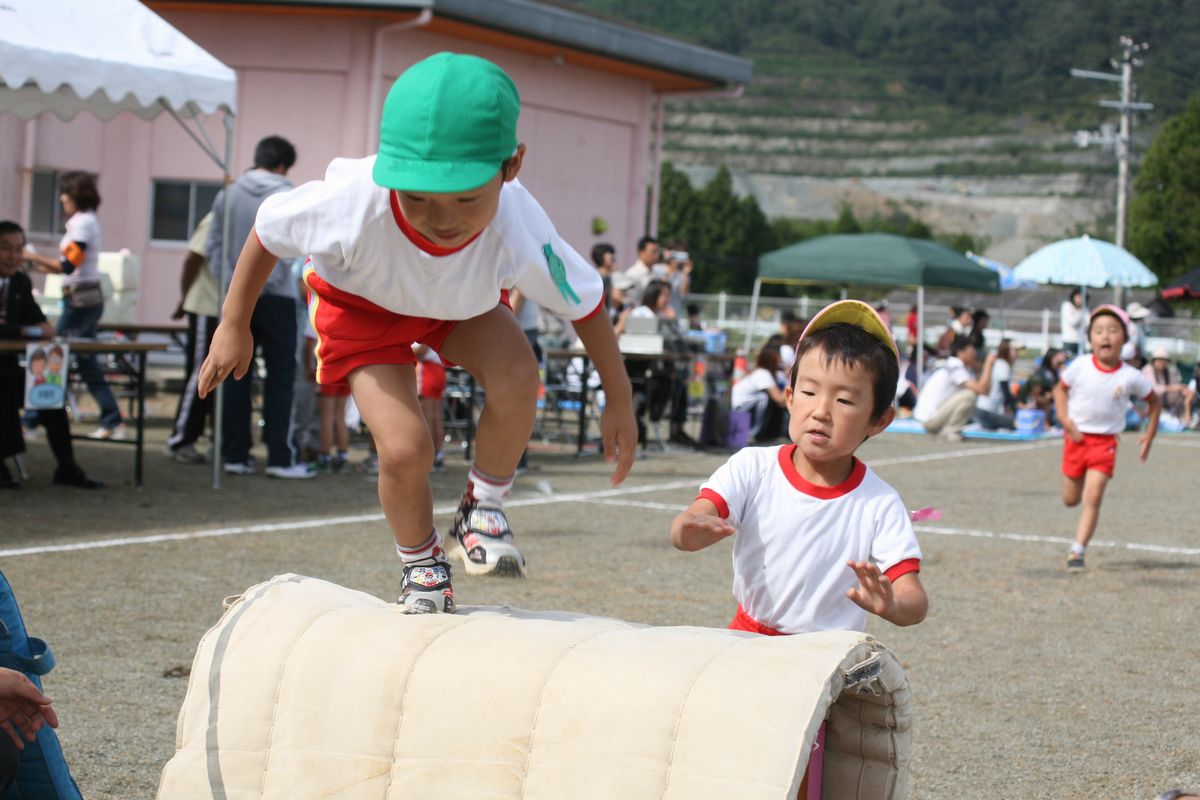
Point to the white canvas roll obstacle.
(305, 689)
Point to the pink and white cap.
(1116, 311)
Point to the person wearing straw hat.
(1091, 398)
(422, 243)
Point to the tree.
(1164, 217)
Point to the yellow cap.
(856, 313)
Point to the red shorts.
(353, 332)
(1097, 451)
(431, 380)
(744, 622)
(339, 389)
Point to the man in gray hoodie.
(273, 323)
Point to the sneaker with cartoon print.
(425, 587)
(485, 541)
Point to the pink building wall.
(309, 79)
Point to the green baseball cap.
(448, 123)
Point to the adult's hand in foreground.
(24, 709)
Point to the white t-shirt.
(349, 226)
(639, 273)
(745, 390)
(1097, 396)
(83, 227)
(944, 382)
(993, 401)
(1071, 322)
(794, 538)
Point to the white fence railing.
(1035, 330)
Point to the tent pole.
(219, 402)
(753, 314)
(919, 344)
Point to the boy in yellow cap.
(820, 539)
(421, 243)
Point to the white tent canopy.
(108, 56)
(104, 56)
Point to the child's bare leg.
(1094, 483)
(1072, 491)
(386, 395)
(494, 349)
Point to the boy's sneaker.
(247, 467)
(425, 588)
(485, 542)
(1075, 563)
(294, 472)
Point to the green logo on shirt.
(558, 271)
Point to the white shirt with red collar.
(794, 538)
(352, 230)
(1098, 396)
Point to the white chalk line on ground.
(546, 499)
(969, 532)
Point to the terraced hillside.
(805, 139)
(961, 115)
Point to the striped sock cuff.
(430, 548)
(488, 488)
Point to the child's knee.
(1070, 500)
(517, 379)
(398, 456)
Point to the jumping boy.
(820, 539)
(1090, 398)
(421, 243)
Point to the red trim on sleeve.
(505, 299)
(716, 500)
(1096, 363)
(416, 238)
(857, 472)
(265, 249)
(903, 568)
(599, 307)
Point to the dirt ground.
(1027, 682)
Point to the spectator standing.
(641, 270)
(83, 300)
(790, 328)
(910, 324)
(1072, 317)
(1134, 350)
(979, 323)
(272, 322)
(677, 272)
(198, 300)
(947, 399)
(20, 317)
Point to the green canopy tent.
(872, 259)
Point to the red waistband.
(744, 622)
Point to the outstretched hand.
(693, 530)
(231, 351)
(618, 431)
(874, 592)
(24, 710)
(1144, 443)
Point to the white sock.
(430, 548)
(486, 488)
(1078, 549)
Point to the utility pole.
(1126, 107)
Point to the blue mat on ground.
(1014, 436)
(912, 426)
(905, 426)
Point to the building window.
(45, 212)
(178, 206)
